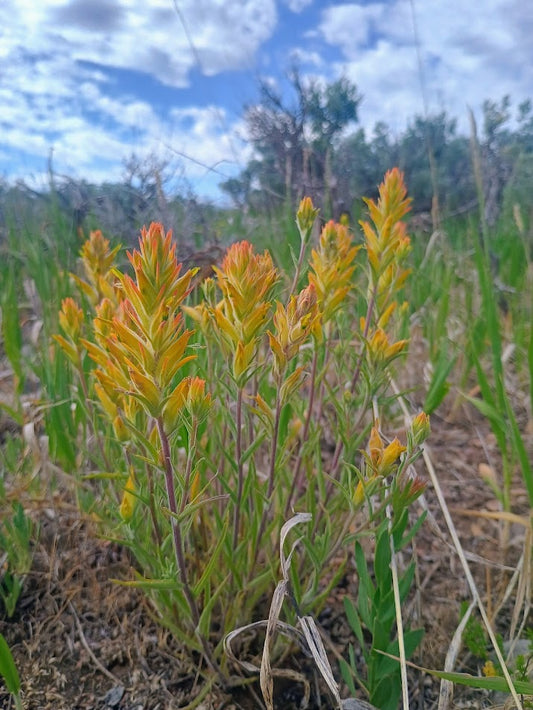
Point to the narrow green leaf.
(496, 683)
(353, 619)
(143, 583)
(439, 385)
(411, 533)
(347, 675)
(256, 443)
(17, 416)
(386, 693)
(8, 669)
(213, 560)
(382, 560)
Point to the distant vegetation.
(315, 148)
(312, 146)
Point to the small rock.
(355, 704)
(113, 697)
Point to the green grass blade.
(8, 669)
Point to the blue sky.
(96, 80)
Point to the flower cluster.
(383, 460)
(140, 347)
(233, 469)
(246, 280)
(71, 320)
(332, 266)
(293, 325)
(380, 458)
(387, 245)
(97, 260)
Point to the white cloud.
(151, 37)
(304, 57)
(349, 26)
(57, 87)
(55, 93)
(469, 53)
(297, 6)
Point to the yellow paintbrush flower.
(381, 458)
(97, 259)
(71, 321)
(246, 280)
(332, 266)
(380, 349)
(306, 216)
(386, 241)
(420, 428)
(198, 400)
(141, 345)
(129, 499)
(292, 326)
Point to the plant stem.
(274, 447)
(305, 433)
(355, 379)
(178, 547)
(303, 245)
(240, 469)
(271, 477)
(91, 412)
(191, 452)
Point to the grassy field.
(302, 476)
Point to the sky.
(91, 82)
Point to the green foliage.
(8, 671)
(487, 334)
(373, 620)
(216, 434)
(16, 535)
(475, 636)
(294, 144)
(10, 273)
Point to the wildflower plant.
(223, 404)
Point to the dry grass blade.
(314, 641)
(446, 686)
(398, 612)
(310, 630)
(266, 677)
(281, 627)
(251, 668)
(468, 574)
(285, 530)
(89, 650)
(523, 595)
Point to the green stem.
(178, 547)
(274, 447)
(271, 478)
(240, 469)
(91, 412)
(303, 245)
(355, 379)
(191, 453)
(305, 433)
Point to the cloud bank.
(96, 81)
